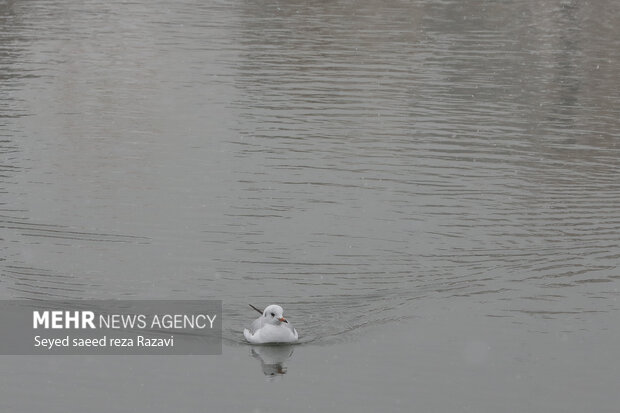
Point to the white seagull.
(270, 327)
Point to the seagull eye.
(273, 315)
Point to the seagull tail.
(248, 335)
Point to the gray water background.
(430, 189)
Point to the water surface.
(429, 188)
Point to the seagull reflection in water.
(272, 359)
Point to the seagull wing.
(293, 331)
(256, 324)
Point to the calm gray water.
(431, 190)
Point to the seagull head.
(273, 314)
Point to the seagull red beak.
(283, 319)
